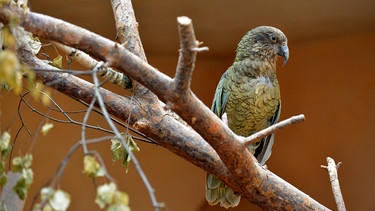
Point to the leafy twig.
(60, 170)
(143, 176)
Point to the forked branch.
(265, 189)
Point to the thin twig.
(145, 139)
(271, 129)
(72, 72)
(87, 114)
(334, 179)
(72, 121)
(84, 123)
(52, 181)
(143, 176)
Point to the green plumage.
(248, 99)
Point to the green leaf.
(10, 70)
(3, 174)
(22, 165)
(53, 200)
(92, 167)
(46, 128)
(3, 179)
(105, 194)
(60, 200)
(28, 160)
(8, 40)
(108, 196)
(119, 152)
(57, 62)
(21, 189)
(131, 143)
(121, 198)
(34, 43)
(3, 206)
(5, 153)
(46, 193)
(17, 164)
(116, 149)
(28, 175)
(118, 207)
(4, 86)
(4, 141)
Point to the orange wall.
(331, 81)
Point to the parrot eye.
(273, 38)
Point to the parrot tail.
(217, 191)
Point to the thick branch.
(128, 35)
(159, 126)
(88, 62)
(258, 185)
(127, 27)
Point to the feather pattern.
(249, 94)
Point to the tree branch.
(128, 35)
(158, 126)
(127, 27)
(334, 179)
(188, 54)
(88, 62)
(246, 177)
(278, 126)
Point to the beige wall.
(331, 81)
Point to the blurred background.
(330, 77)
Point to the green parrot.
(247, 98)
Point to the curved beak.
(284, 52)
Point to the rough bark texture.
(234, 165)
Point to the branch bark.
(334, 179)
(241, 171)
(127, 27)
(90, 63)
(278, 126)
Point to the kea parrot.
(248, 97)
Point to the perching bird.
(248, 95)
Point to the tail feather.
(218, 192)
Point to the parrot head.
(263, 43)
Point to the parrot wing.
(216, 190)
(220, 98)
(266, 143)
